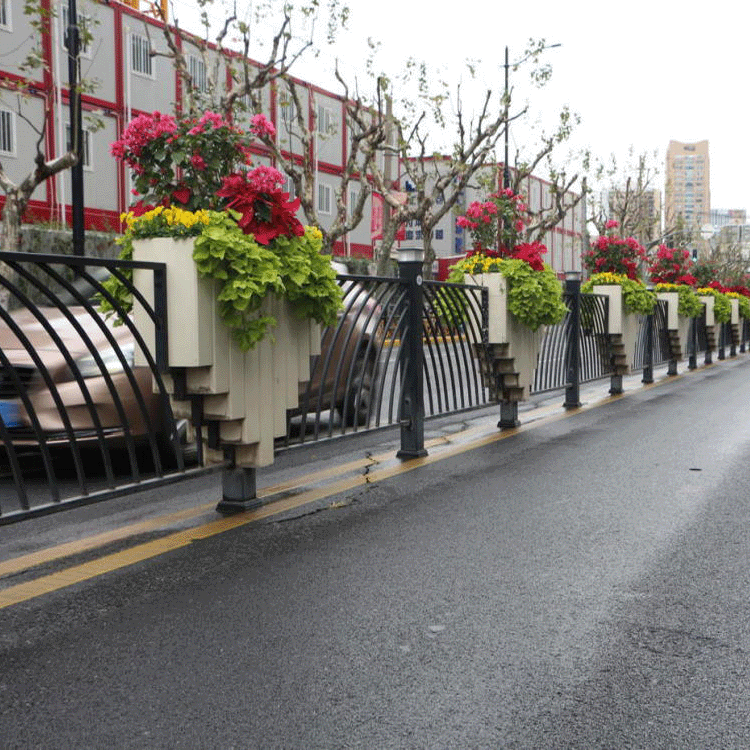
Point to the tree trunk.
(11, 233)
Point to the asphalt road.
(580, 584)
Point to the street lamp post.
(506, 167)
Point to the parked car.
(67, 391)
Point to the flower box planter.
(623, 328)
(247, 393)
(677, 325)
(191, 318)
(515, 346)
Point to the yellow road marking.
(24, 562)
(138, 553)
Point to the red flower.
(266, 214)
(182, 195)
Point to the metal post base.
(238, 490)
(411, 453)
(672, 367)
(648, 375)
(708, 359)
(508, 414)
(615, 385)
(692, 362)
(572, 398)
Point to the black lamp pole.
(506, 168)
(76, 128)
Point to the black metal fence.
(661, 350)
(78, 420)
(594, 361)
(358, 379)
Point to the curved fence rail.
(594, 361)
(357, 381)
(661, 348)
(78, 419)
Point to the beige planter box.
(708, 301)
(248, 393)
(521, 344)
(190, 302)
(735, 319)
(621, 323)
(675, 321)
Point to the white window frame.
(83, 20)
(87, 146)
(325, 196)
(288, 187)
(7, 132)
(140, 55)
(198, 72)
(6, 21)
(353, 198)
(324, 124)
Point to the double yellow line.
(295, 494)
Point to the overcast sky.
(638, 73)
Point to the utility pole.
(76, 127)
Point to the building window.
(325, 120)
(197, 71)
(7, 133)
(140, 56)
(353, 198)
(5, 15)
(438, 234)
(418, 234)
(84, 28)
(288, 187)
(324, 199)
(409, 234)
(86, 145)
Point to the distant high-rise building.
(688, 185)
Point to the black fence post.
(573, 351)
(411, 413)
(722, 340)
(732, 345)
(648, 355)
(693, 344)
(238, 486)
(743, 335)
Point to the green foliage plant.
(534, 297)
(689, 304)
(292, 268)
(722, 305)
(635, 297)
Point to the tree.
(367, 132)
(438, 181)
(561, 184)
(250, 83)
(631, 195)
(18, 93)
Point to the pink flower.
(261, 126)
(265, 179)
(197, 161)
(611, 224)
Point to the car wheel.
(357, 407)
